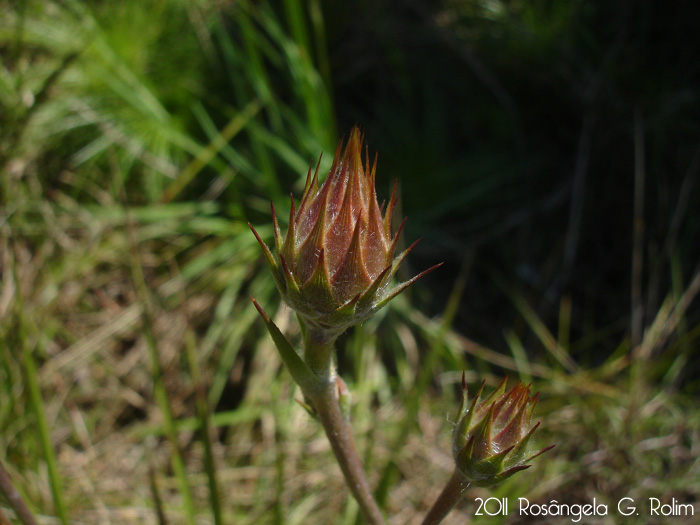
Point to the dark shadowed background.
(547, 152)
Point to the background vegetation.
(547, 152)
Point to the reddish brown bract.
(339, 229)
(336, 260)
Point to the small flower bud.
(336, 261)
(490, 441)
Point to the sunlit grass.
(136, 380)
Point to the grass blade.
(44, 435)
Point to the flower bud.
(490, 441)
(335, 263)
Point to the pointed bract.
(490, 439)
(337, 257)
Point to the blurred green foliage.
(546, 151)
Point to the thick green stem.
(450, 496)
(318, 354)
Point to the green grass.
(137, 383)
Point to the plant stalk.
(14, 499)
(340, 437)
(318, 353)
(449, 497)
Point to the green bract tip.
(490, 441)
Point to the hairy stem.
(340, 436)
(318, 352)
(324, 399)
(450, 496)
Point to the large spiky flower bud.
(490, 441)
(335, 263)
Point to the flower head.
(336, 261)
(490, 441)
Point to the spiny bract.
(335, 263)
(490, 441)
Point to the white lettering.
(554, 508)
(499, 508)
(670, 509)
(628, 510)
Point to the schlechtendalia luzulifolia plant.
(334, 267)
